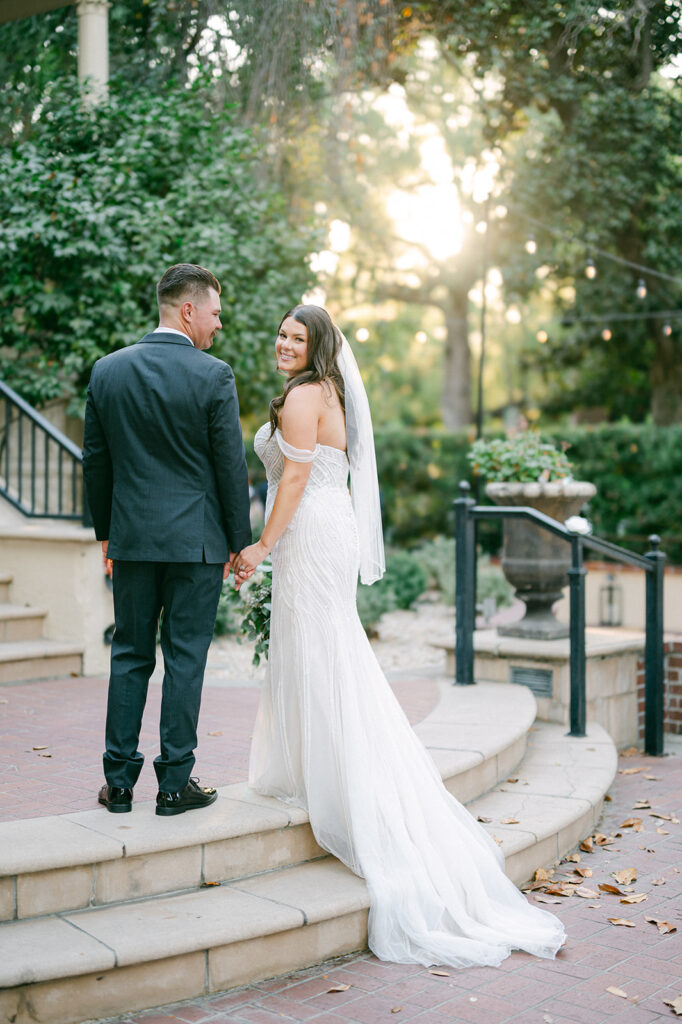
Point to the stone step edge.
(27, 650)
(293, 889)
(11, 612)
(91, 837)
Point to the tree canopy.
(95, 204)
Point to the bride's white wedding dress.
(331, 737)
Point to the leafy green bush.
(491, 582)
(375, 601)
(437, 558)
(406, 577)
(96, 203)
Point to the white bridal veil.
(364, 483)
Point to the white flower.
(578, 524)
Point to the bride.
(330, 736)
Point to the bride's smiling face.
(292, 346)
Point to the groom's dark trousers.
(167, 483)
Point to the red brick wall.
(672, 677)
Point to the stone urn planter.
(534, 561)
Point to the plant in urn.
(524, 471)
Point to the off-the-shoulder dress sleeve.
(295, 454)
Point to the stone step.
(5, 583)
(95, 857)
(107, 960)
(19, 622)
(24, 661)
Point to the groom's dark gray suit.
(166, 477)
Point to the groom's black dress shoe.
(187, 799)
(115, 799)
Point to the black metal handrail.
(653, 564)
(41, 470)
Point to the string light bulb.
(641, 288)
(531, 245)
(422, 337)
(590, 269)
(362, 334)
(667, 330)
(542, 337)
(607, 334)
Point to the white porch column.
(93, 45)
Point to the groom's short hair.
(184, 281)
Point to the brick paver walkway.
(65, 719)
(640, 962)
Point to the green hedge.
(637, 470)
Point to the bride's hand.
(247, 561)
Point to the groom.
(166, 479)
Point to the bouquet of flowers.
(256, 595)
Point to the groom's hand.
(108, 564)
(229, 565)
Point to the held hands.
(246, 562)
(107, 562)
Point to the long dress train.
(331, 737)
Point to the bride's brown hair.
(324, 346)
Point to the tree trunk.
(666, 382)
(456, 407)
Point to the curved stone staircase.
(104, 913)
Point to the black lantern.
(611, 602)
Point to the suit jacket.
(163, 457)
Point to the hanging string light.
(641, 288)
(531, 245)
(667, 330)
(542, 336)
(590, 269)
(607, 334)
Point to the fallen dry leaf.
(574, 858)
(587, 894)
(607, 887)
(602, 840)
(641, 805)
(587, 845)
(626, 876)
(208, 885)
(41, 748)
(628, 771)
(676, 1005)
(509, 821)
(630, 752)
(558, 890)
(652, 778)
(608, 797)
(583, 872)
(637, 897)
(512, 780)
(664, 927)
(541, 875)
(617, 992)
(338, 988)
(621, 921)
(658, 881)
(539, 898)
(654, 814)
(484, 820)
(44, 754)
(439, 974)
(631, 823)
(218, 732)
(396, 1009)
(662, 831)
(497, 840)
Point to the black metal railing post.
(465, 595)
(653, 652)
(576, 580)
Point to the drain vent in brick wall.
(539, 680)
